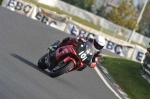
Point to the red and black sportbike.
(70, 58)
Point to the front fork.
(67, 59)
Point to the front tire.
(41, 62)
(64, 69)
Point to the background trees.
(145, 21)
(125, 15)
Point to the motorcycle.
(145, 66)
(69, 58)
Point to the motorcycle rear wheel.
(41, 62)
(64, 69)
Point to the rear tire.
(41, 62)
(64, 69)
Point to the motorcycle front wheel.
(59, 70)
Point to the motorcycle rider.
(97, 41)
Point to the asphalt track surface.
(22, 42)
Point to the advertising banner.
(50, 18)
(138, 54)
(122, 50)
(75, 29)
(20, 7)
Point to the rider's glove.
(97, 59)
(93, 65)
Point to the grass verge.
(127, 75)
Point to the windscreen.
(85, 50)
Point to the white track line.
(100, 75)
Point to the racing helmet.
(99, 42)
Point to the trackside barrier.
(140, 52)
(50, 18)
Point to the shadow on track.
(29, 63)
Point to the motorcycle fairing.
(85, 51)
(68, 49)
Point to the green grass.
(127, 75)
